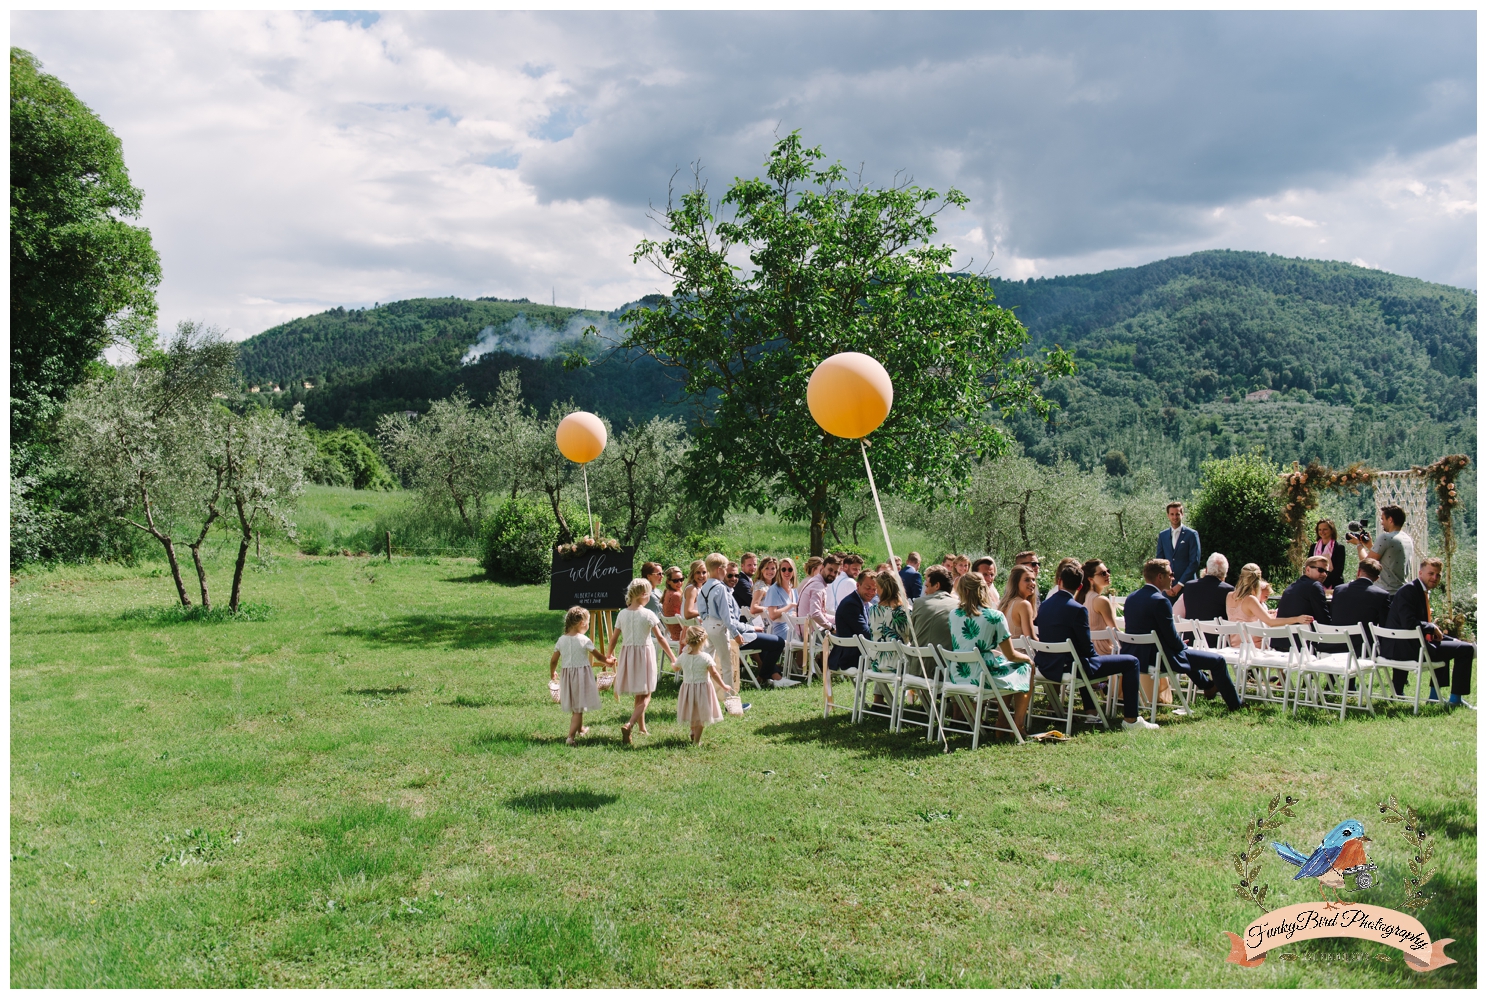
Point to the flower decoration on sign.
(586, 544)
(1301, 488)
(1442, 474)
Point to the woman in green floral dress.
(889, 620)
(975, 624)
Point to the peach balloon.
(849, 395)
(581, 437)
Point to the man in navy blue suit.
(1062, 618)
(1180, 547)
(913, 582)
(1148, 612)
(851, 619)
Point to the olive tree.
(640, 475)
(833, 265)
(449, 454)
(137, 437)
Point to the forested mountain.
(363, 363)
(1179, 360)
(1216, 352)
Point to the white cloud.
(291, 164)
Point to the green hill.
(1179, 360)
(363, 363)
(1216, 352)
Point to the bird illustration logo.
(1341, 850)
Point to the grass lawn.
(369, 786)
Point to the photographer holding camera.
(1393, 548)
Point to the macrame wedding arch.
(1409, 491)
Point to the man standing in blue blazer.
(1180, 547)
(1149, 612)
(1062, 618)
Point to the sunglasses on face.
(1102, 572)
(674, 579)
(731, 575)
(787, 569)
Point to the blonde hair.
(697, 564)
(576, 616)
(716, 560)
(890, 587)
(694, 636)
(639, 589)
(813, 563)
(780, 567)
(1249, 581)
(972, 593)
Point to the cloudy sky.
(292, 162)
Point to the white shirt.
(837, 591)
(635, 625)
(694, 666)
(574, 650)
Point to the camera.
(1358, 531)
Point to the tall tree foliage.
(834, 266)
(81, 275)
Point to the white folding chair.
(1265, 665)
(828, 673)
(747, 660)
(965, 692)
(1112, 683)
(800, 648)
(1420, 665)
(926, 682)
(1222, 638)
(676, 646)
(1320, 674)
(1062, 692)
(1187, 630)
(882, 667)
(1161, 666)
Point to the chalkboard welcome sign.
(594, 579)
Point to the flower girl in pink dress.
(577, 691)
(636, 672)
(697, 701)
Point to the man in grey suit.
(931, 614)
(1180, 547)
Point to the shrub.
(1238, 512)
(347, 458)
(516, 542)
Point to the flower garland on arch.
(1442, 474)
(1301, 488)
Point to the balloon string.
(587, 505)
(883, 523)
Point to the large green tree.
(81, 275)
(833, 265)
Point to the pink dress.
(577, 690)
(697, 701)
(635, 673)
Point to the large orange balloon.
(581, 437)
(849, 395)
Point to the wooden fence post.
(389, 547)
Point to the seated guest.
(696, 578)
(889, 620)
(1327, 546)
(974, 624)
(985, 566)
(1247, 602)
(845, 583)
(1304, 598)
(931, 614)
(1062, 618)
(743, 590)
(1206, 599)
(1063, 563)
(912, 580)
(780, 599)
(1091, 593)
(1362, 601)
(768, 573)
(811, 600)
(1033, 562)
(1017, 602)
(1410, 608)
(852, 619)
(962, 566)
(1148, 612)
(671, 600)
